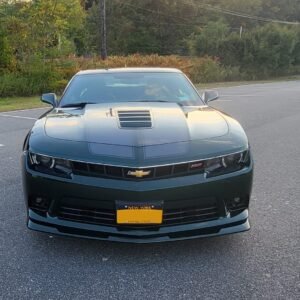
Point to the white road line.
(219, 100)
(17, 117)
(224, 95)
(1, 145)
(30, 109)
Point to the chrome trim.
(53, 163)
(144, 167)
(33, 160)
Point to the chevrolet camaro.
(136, 155)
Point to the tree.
(43, 26)
(210, 38)
(6, 55)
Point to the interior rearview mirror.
(210, 96)
(49, 99)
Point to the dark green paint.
(179, 134)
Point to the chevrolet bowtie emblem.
(139, 173)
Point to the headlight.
(42, 161)
(232, 160)
(227, 164)
(50, 165)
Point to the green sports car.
(136, 155)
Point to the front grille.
(87, 215)
(190, 215)
(94, 170)
(107, 217)
(135, 119)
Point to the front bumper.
(176, 193)
(235, 224)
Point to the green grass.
(17, 103)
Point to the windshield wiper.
(78, 104)
(165, 101)
(162, 101)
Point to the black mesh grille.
(87, 215)
(163, 171)
(135, 119)
(80, 167)
(182, 168)
(105, 171)
(107, 217)
(114, 171)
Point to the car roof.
(129, 70)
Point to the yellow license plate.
(133, 213)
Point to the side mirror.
(210, 96)
(49, 99)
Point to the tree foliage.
(268, 50)
(6, 55)
(35, 33)
(42, 26)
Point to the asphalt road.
(263, 263)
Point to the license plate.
(139, 213)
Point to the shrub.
(207, 70)
(262, 52)
(32, 77)
(204, 69)
(36, 76)
(7, 61)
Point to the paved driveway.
(261, 264)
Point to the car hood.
(167, 123)
(176, 134)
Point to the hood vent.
(135, 118)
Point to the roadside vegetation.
(44, 42)
(19, 103)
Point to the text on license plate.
(139, 213)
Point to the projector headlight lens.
(227, 164)
(50, 165)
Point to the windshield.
(130, 87)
